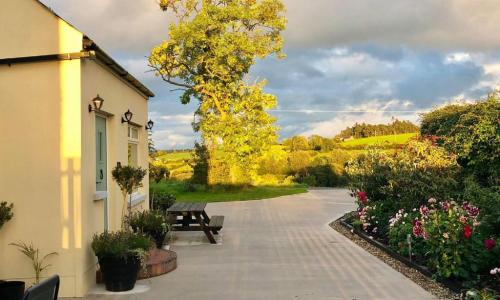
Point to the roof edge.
(90, 45)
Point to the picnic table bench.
(192, 217)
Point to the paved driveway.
(279, 248)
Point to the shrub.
(447, 237)
(5, 213)
(160, 200)
(298, 161)
(158, 172)
(488, 200)
(472, 132)
(128, 179)
(123, 244)
(400, 227)
(403, 179)
(152, 223)
(455, 247)
(200, 164)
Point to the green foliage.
(273, 161)
(472, 132)
(128, 179)
(124, 244)
(152, 223)
(488, 200)
(405, 178)
(158, 172)
(33, 254)
(296, 143)
(6, 213)
(209, 51)
(417, 171)
(401, 226)
(366, 130)
(200, 164)
(319, 143)
(160, 200)
(447, 238)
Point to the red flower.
(418, 230)
(489, 244)
(467, 231)
(362, 197)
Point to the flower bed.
(440, 239)
(452, 236)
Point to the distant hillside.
(367, 130)
(384, 141)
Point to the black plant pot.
(119, 274)
(12, 290)
(159, 237)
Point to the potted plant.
(5, 212)
(152, 223)
(9, 289)
(128, 179)
(160, 200)
(33, 254)
(120, 255)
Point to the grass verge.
(225, 193)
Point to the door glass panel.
(101, 154)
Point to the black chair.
(45, 290)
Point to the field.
(173, 156)
(221, 194)
(279, 164)
(384, 140)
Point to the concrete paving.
(278, 248)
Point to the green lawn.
(219, 194)
(397, 139)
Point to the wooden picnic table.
(192, 217)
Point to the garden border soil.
(418, 274)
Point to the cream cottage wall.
(48, 147)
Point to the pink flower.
(470, 209)
(445, 206)
(463, 220)
(363, 198)
(467, 231)
(424, 210)
(489, 244)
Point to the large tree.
(209, 51)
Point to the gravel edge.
(425, 282)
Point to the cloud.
(168, 139)
(374, 56)
(133, 26)
(430, 24)
(331, 123)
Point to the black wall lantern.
(127, 116)
(97, 102)
(149, 125)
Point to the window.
(133, 134)
(133, 140)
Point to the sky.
(347, 61)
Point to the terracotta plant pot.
(12, 290)
(119, 274)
